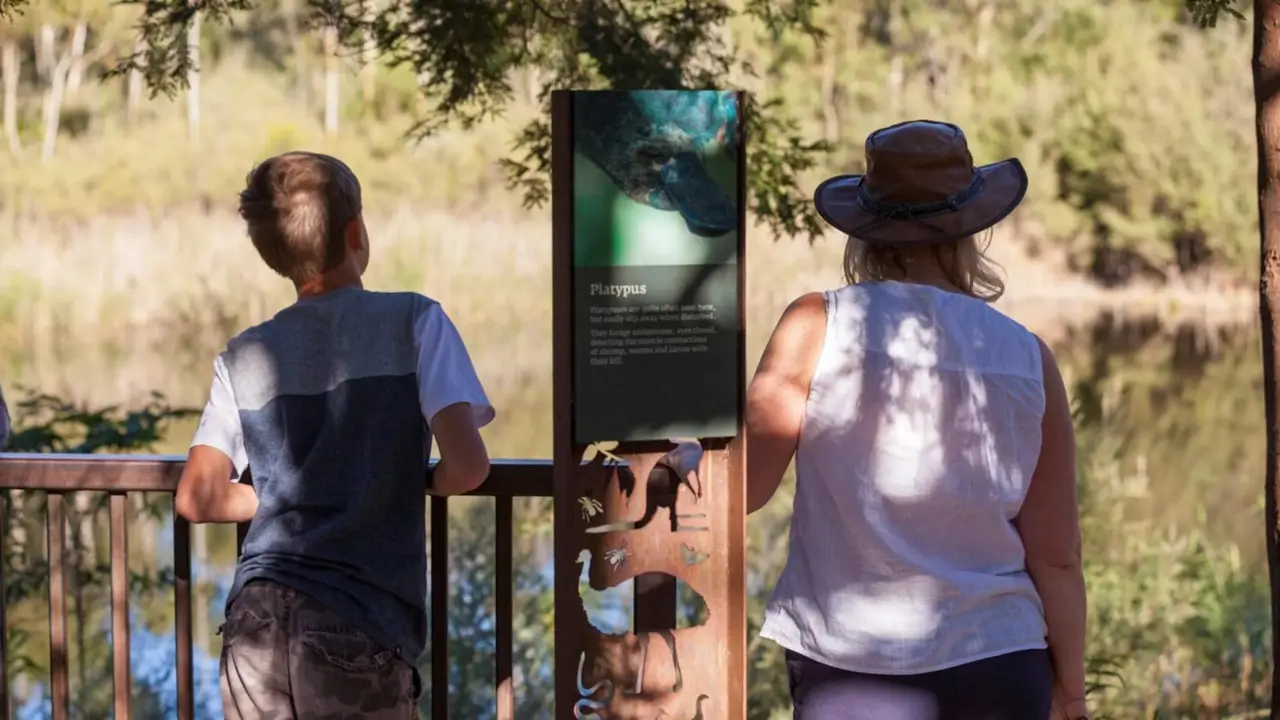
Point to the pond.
(1171, 459)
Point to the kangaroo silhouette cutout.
(663, 489)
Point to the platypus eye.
(651, 156)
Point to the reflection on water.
(1179, 413)
(1171, 456)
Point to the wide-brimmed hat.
(920, 188)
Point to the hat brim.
(1004, 187)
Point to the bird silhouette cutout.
(586, 708)
(652, 145)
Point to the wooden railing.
(119, 475)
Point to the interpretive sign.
(647, 198)
(657, 232)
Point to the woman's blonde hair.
(964, 263)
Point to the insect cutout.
(590, 507)
(617, 556)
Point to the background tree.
(1266, 95)
(465, 54)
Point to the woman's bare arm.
(1049, 524)
(778, 393)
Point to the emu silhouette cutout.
(668, 636)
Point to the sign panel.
(658, 188)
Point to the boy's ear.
(353, 237)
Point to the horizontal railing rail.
(119, 475)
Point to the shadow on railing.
(119, 475)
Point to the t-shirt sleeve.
(220, 423)
(445, 373)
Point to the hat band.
(919, 211)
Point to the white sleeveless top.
(920, 437)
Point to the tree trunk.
(895, 83)
(369, 56)
(53, 100)
(330, 80)
(1266, 89)
(193, 78)
(133, 92)
(982, 49)
(829, 58)
(46, 52)
(75, 76)
(10, 65)
(301, 75)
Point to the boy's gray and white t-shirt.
(329, 403)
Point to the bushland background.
(124, 270)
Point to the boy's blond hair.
(297, 207)
(964, 262)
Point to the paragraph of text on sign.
(622, 333)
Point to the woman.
(934, 565)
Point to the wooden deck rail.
(119, 475)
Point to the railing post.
(182, 615)
(121, 680)
(439, 607)
(58, 607)
(503, 610)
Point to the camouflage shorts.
(285, 655)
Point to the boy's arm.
(453, 403)
(206, 491)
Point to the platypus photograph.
(672, 156)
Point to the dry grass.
(112, 308)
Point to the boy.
(332, 403)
